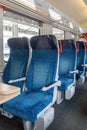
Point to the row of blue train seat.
(67, 64)
(50, 63)
(41, 81)
(67, 69)
(71, 67)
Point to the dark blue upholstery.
(65, 83)
(80, 59)
(86, 55)
(28, 105)
(17, 63)
(42, 72)
(67, 64)
(79, 74)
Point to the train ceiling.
(70, 14)
(75, 9)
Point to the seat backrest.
(67, 58)
(80, 55)
(43, 65)
(86, 55)
(18, 59)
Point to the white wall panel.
(1, 40)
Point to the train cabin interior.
(43, 65)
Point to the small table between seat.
(8, 92)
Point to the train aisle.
(69, 115)
(72, 114)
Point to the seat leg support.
(6, 114)
(45, 119)
(86, 74)
(81, 80)
(69, 93)
(60, 96)
(28, 125)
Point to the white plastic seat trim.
(17, 80)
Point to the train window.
(58, 33)
(27, 31)
(72, 36)
(7, 33)
(16, 29)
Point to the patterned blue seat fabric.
(86, 56)
(41, 72)
(80, 59)
(65, 83)
(67, 64)
(17, 63)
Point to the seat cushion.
(78, 75)
(28, 105)
(65, 83)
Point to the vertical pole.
(15, 30)
(46, 29)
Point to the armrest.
(74, 71)
(17, 80)
(84, 65)
(58, 83)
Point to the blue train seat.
(15, 69)
(80, 62)
(67, 69)
(41, 82)
(86, 59)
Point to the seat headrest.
(43, 42)
(18, 43)
(81, 44)
(68, 43)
